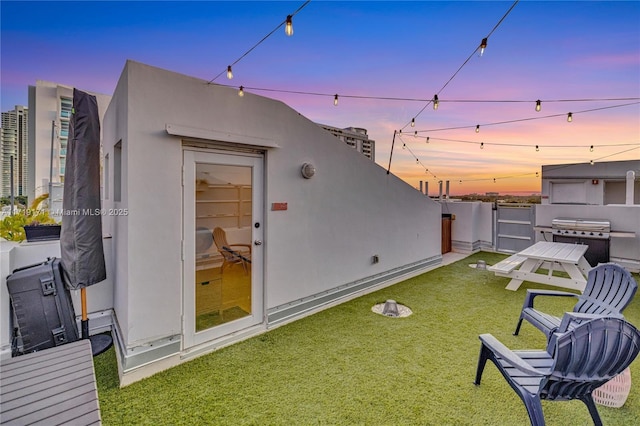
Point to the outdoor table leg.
(576, 275)
(528, 267)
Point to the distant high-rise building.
(14, 143)
(50, 106)
(356, 138)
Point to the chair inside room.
(574, 364)
(609, 289)
(231, 253)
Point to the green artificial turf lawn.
(347, 365)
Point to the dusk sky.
(581, 57)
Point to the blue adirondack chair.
(574, 364)
(608, 291)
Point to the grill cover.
(599, 225)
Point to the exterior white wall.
(335, 222)
(18, 255)
(472, 228)
(597, 184)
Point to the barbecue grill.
(587, 228)
(595, 233)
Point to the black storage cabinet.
(41, 306)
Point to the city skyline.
(578, 57)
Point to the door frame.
(192, 156)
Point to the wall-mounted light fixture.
(308, 170)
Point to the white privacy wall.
(335, 222)
(473, 226)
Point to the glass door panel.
(222, 265)
(223, 243)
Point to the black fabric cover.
(82, 253)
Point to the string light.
(537, 148)
(533, 146)
(494, 180)
(520, 120)
(335, 100)
(241, 91)
(415, 134)
(569, 117)
(538, 105)
(591, 148)
(481, 145)
(483, 45)
(475, 101)
(229, 73)
(435, 102)
(288, 26)
(477, 128)
(591, 162)
(413, 122)
(288, 30)
(435, 105)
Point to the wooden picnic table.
(524, 266)
(54, 386)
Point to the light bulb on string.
(537, 148)
(404, 146)
(591, 162)
(427, 139)
(413, 122)
(481, 145)
(435, 102)
(229, 73)
(569, 117)
(483, 45)
(591, 148)
(417, 161)
(538, 105)
(415, 134)
(288, 26)
(536, 174)
(477, 128)
(335, 100)
(494, 180)
(241, 91)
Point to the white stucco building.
(49, 114)
(356, 138)
(182, 157)
(600, 183)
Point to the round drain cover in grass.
(403, 311)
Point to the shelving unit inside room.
(226, 206)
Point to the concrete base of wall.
(296, 309)
(629, 264)
(143, 361)
(470, 247)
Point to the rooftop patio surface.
(347, 365)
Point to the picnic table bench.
(524, 265)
